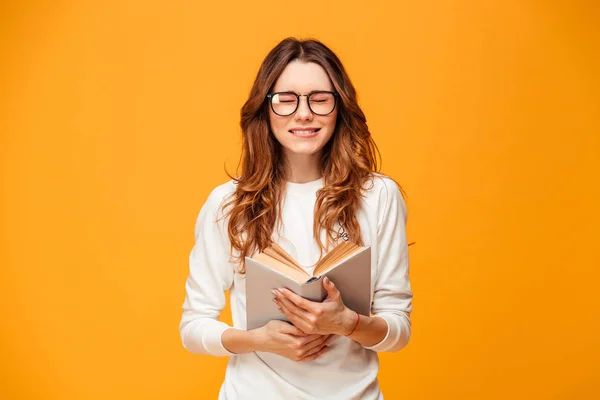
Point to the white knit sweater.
(347, 370)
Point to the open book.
(347, 265)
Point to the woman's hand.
(328, 317)
(286, 340)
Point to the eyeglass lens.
(320, 103)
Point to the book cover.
(351, 276)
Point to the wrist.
(239, 341)
(256, 340)
(349, 319)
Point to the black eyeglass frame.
(335, 97)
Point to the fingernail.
(326, 280)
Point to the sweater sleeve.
(392, 298)
(210, 275)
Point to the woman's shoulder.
(219, 195)
(384, 195)
(382, 187)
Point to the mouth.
(305, 132)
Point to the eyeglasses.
(286, 103)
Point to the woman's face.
(295, 132)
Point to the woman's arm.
(368, 331)
(330, 316)
(209, 277)
(392, 297)
(389, 327)
(277, 337)
(239, 341)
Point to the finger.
(317, 343)
(297, 343)
(291, 307)
(306, 342)
(317, 338)
(294, 309)
(330, 338)
(311, 351)
(290, 329)
(297, 321)
(298, 301)
(316, 355)
(330, 288)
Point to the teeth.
(303, 132)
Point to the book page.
(277, 258)
(335, 256)
(299, 276)
(277, 252)
(327, 258)
(347, 252)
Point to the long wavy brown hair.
(349, 158)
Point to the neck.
(302, 168)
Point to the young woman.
(308, 180)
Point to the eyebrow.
(312, 91)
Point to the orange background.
(117, 118)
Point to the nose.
(303, 112)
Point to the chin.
(302, 153)
(301, 150)
(307, 148)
